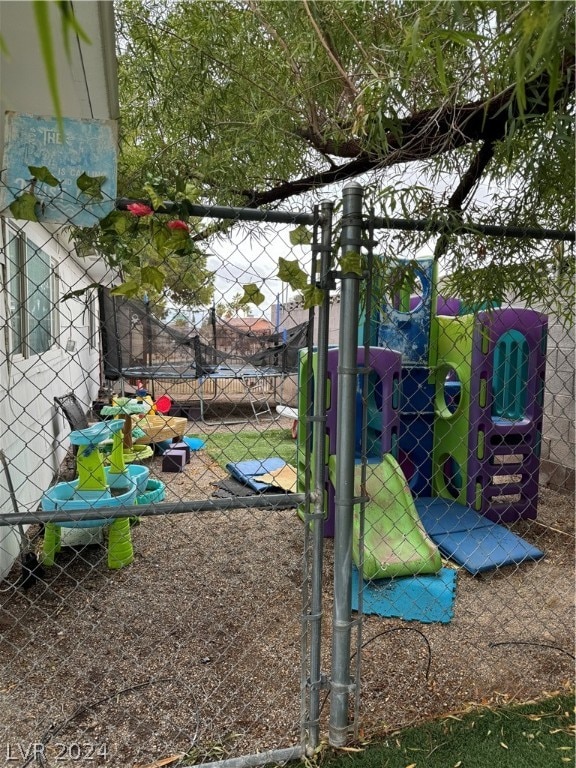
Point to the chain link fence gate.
(182, 626)
(446, 491)
(214, 644)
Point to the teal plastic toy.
(92, 490)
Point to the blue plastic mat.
(246, 471)
(427, 598)
(471, 540)
(445, 516)
(194, 443)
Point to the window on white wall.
(32, 289)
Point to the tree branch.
(422, 136)
(465, 186)
(348, 84)
(472, 176)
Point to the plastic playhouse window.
(410, 469)
(508, 458)
(452, 475)
(510, 377)
(506, 479)
(510, 440)
(448, 392)
(374, 403)
(395, 392)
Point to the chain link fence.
(311, 525)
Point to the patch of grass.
(536, 735)
(242, 446)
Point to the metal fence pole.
(341, 684)
(319, 432)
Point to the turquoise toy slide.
(395, 541)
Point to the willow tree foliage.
(436, 106)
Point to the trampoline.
(140, 347)
(256, 383)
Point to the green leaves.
(252, 295)
(154, 277)
(44, 30)
(292, 273)
(300, 236)
(352, 262)
(177, 241)
(69, 23)
(155, 198)
(129, 288)
(299, 125)
(312, 296)
(24, 207)
(116, 222)
(540, 34)
(43, 174)
(91, 185)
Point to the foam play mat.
(428, 598)
(471, 540)
(247, 471)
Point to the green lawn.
(538, 735)
(241, 446)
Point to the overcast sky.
(250, 253)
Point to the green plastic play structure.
(128, 407)
(395, 542)
(452, 425)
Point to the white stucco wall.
(33, 435)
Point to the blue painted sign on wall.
(87, 146)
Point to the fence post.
(341, 683)
(319, 432)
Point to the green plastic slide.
(395, 542)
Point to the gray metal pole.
(380, 222)
(341, 682)
(264, 501)
(473, 228)
(223, 212)
(273, 756)
(319, 438)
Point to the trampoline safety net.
(139, 344)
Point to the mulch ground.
(195, 648)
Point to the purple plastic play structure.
(384, 370)
(509, 464)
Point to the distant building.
(236, 336)
(242, 336)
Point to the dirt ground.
(195, 648)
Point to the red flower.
(178, 224)
(139, 209)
